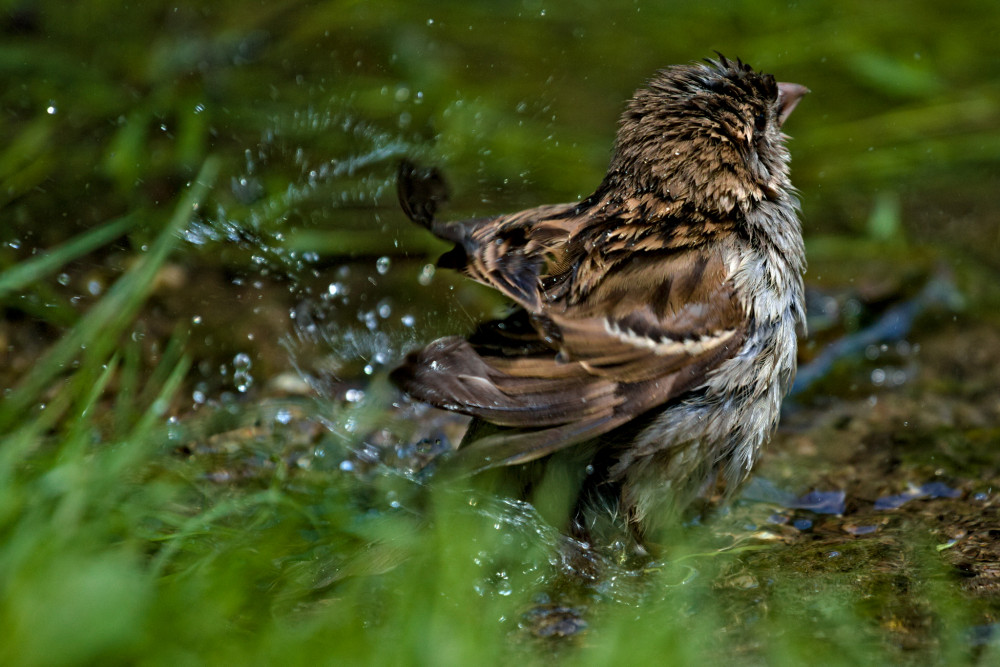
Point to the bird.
(653, 326)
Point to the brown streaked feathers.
(621, 332)
(637, 296)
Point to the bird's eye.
(760, 121)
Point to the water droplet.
(407, 320)
(426, 275)
(242, 379)
(63, 279)
(382, 265)
(369, 318)
(51, 109)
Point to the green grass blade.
(97, 332)
(20, 276)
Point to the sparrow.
(654, 324)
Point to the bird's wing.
(506, 252)
(609, 326)
(565, 373)
(650, 314)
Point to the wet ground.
(881, 488)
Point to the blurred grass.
(136, 136)
(98, 331)
(518, 101)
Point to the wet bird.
(654, 325)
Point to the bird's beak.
(789, 95)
